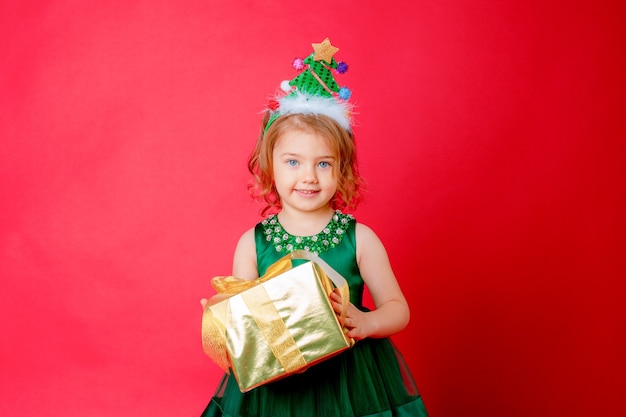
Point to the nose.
(309, 176)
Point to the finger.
(354, 335)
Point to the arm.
(392, 311)
(244, 260)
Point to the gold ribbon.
(273, 328)
(263, 311)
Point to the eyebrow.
(297, 154)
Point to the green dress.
(371, 379)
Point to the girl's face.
(304, 171)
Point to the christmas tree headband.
(314, 90)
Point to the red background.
(491, 134)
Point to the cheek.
(333, 182)
(277, 172)
(280, 177)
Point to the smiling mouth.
(307, 192)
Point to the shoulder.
(365, 234)
(368, 243)
(247, 238)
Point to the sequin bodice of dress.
(335, 244)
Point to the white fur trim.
(299, 103)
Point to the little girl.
(305, 169)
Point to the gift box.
(276, 325)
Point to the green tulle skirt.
(369, 380)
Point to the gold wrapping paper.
(276, 325)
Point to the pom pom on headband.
(314, 90)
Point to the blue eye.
(324, 164)
(292, 162)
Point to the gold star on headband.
(324, 51)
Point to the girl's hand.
(356, 321)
